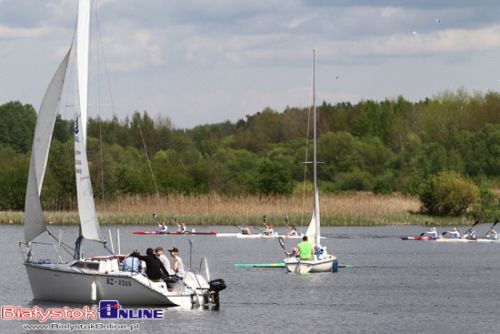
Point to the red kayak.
(212, 232)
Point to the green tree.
(17, 125)
(274, 179)
(448, 193)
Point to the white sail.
(313, 231)
(34, 223)
(86, 207)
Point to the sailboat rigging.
(322, 261)
(88, 280)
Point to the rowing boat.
(256, 236)
(260, 265)
(276, 265)
(451, 240)
(212, 232)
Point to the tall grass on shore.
(353, 209)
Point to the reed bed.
(352, 209)
(364, 204)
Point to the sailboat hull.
(60, 283)
(295, 265)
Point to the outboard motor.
(216, 286)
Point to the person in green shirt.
(305, 248)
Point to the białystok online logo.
(108, 310)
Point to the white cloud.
(443, 42)
(211, 60)
(390, 11)
(295, 23)
(130, 49)
(7, 32)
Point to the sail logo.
(76, 128)
(111, 309)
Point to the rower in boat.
(452, 234)
(292, 231)
(432, 233)
(268, 229)
(491, 235)
(469, 235)
(182, 228)
(163, 227)
(245, 230)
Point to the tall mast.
(315, 162)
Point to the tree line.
(379, 146)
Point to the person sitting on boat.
(306, 250)
(163, 227)
(132, 263)
(268, 230)
(491, 235)
(292, 231)
(453, 233)
(181, 228)
(432, 233)
(178, 265)
(245, 230)
(154, 268)
(163, 258)
(470, 234)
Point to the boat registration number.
(119, 282)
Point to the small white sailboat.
(88, 280)
(321, 261)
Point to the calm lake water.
(395, 286)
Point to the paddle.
(491, 228)
(470, 228)
(258, 228)
(282, 244)
(241, 228)
(423, 233)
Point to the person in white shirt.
(491, 235)
(453, 233)
(182, 228)
(178, 265)
(163, 227)
(432, 233)
(163, 258)
(470, 234)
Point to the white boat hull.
(61, 283)
(257, 236)
(295, 265)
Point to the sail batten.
(34, 223)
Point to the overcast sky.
(209, 61)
